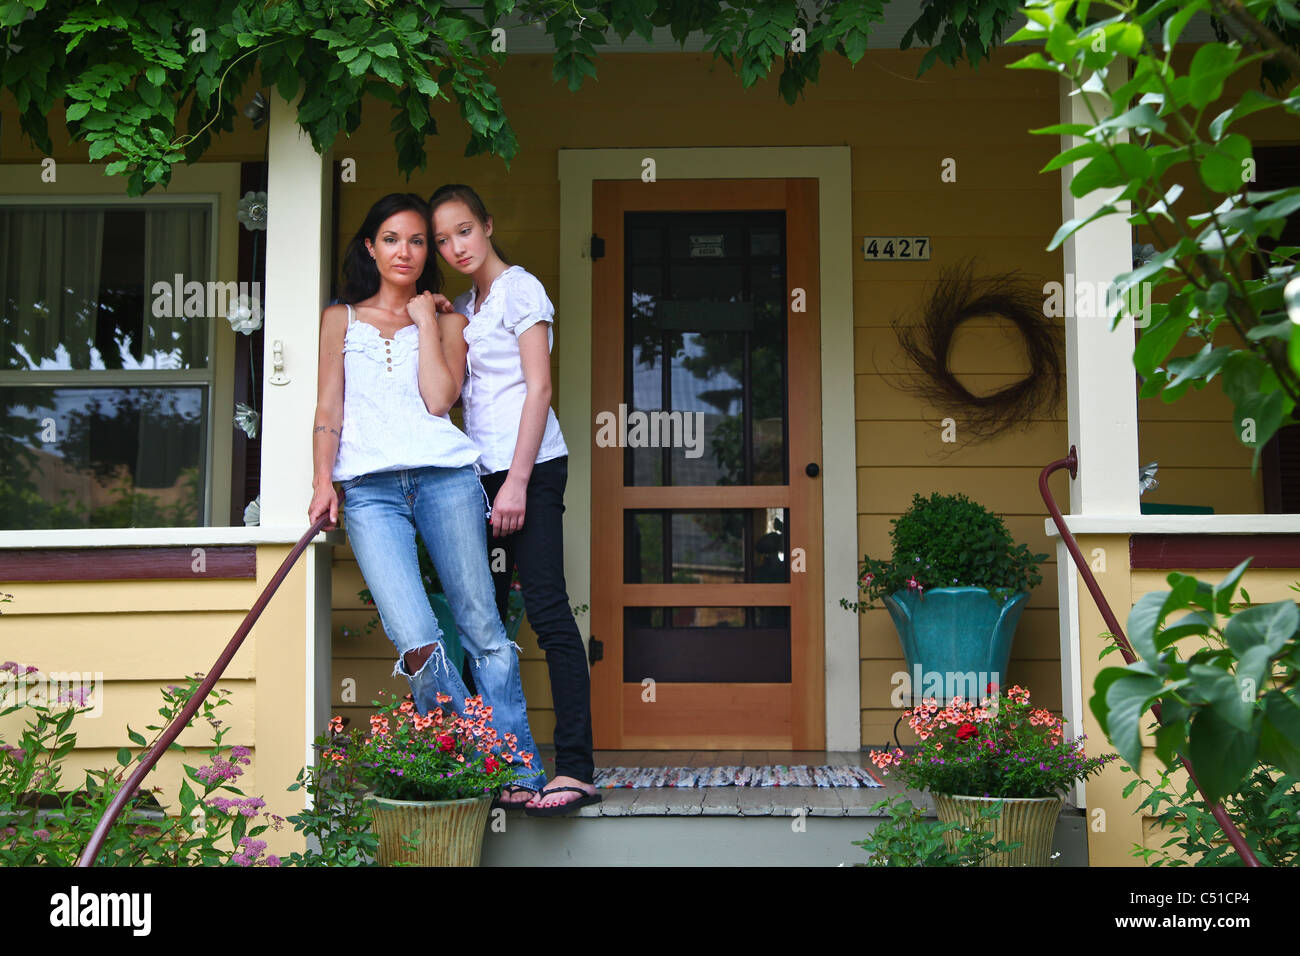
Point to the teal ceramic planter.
(955, 640)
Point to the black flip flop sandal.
(562, 809)
(497, 804)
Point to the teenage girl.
(382, 431)
(506, 322)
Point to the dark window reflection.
(101, 457)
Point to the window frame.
(119, 378)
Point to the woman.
(506, 325)
(382, 431)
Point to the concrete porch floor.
(719, 826)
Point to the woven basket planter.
(1030, 821)
(451, 831)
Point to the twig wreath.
(958, 295)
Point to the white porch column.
(297, 281)
(1101, 382)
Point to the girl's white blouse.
(386, 425)
(494, 385)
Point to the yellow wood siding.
(144, 635)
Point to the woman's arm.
(329, 414)
(438, 387)
(535, 360)
(451, 326)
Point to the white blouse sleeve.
(526, 304)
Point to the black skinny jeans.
(538, 549)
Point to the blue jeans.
(383, 510)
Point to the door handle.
(812, 471)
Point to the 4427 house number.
(896, 247)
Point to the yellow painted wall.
(145, 635)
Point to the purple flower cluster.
(249, 851)
(222, 769)
(249, 807)
(17, 669)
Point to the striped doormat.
(774, 776)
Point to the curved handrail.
(1071, 461)
(181, 720)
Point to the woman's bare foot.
(515, 796)
(543, 799)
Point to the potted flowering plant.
(434, 773)
(955, 588)
(1001, 748)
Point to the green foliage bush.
(907, 838)
(949, 541)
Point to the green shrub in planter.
(947, 541)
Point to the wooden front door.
(706, 502)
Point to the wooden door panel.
(709, 714)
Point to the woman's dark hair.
(360, 274)
(454, 191)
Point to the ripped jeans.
(383, 510)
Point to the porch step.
(718, 826)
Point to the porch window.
(106, 342)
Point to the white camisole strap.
(351, 318)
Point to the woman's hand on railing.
(324, 499)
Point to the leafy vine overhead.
(124, 71)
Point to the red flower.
(446, 744)
(490, 764)
(967, 731)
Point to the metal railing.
(181, 720)
(1072, 462)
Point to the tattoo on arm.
(326, 428)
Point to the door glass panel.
(720, 546)
(706, 644)
(706, 349)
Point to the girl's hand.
(423, 310)
(322, 500)
(442, 303)
(508, 508)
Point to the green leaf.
(1279, 739)
(1127, 700)
(124, 757)
(1075, 153)
(1252, 101)
(1074, 225)
(1141, 116)
(135, 737)
(1129, 39)
(1174, 25)
(1269, 625)
(1156, 342)
(1223, 169)
(1211, 65)
(1144, 620)
(1220, 753)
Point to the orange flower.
(336, 725)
